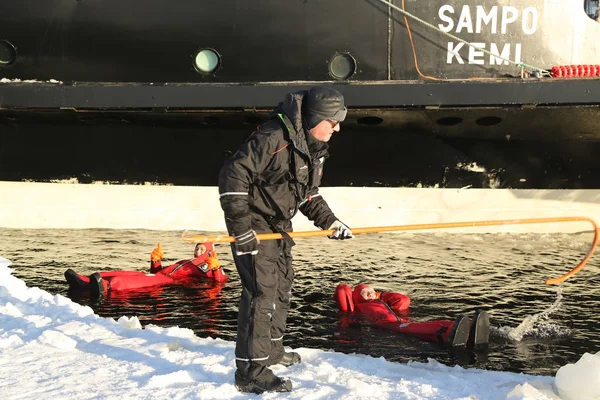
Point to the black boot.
(265, 382)
(459, 335)
(290, 358)
(96, 285)
(74, 281)
(480, 329)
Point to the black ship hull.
(77, 73)
(269, 41)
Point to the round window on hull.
(488, 121)
(370, 121)
(591, 8)
(207, 61)
(8, 53)
(342, 66)
(449, 121)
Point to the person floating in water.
(389, 310)
(204, 265)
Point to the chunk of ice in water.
(580, 381)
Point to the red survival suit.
(203, 266)
(385, 312)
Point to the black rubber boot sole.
(257, 388)
(74, 280)
(96, 285)
(459, 335)
(480, 329)
(261, 386)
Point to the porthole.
(8, 53)
(488, 121)
(370, 121)
(207, 61)
(342, 66)
(449, 121)
(591, 8)
(253, 120)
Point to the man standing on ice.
(275, 173)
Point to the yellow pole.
(419, 227)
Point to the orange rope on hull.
(419, 227)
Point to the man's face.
(324, 130)
(200, 249)
(368, 293)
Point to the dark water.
(536, 328)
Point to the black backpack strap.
(286, 237)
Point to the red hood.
(356, 297)
(209, 246)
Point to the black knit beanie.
(321, 103)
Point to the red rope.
(575, 71)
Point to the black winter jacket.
(275, 174)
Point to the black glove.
(246, 243)
(341, 231)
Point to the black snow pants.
(267, 279)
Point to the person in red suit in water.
(204, 265)
(389, 310)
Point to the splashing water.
(537, 324)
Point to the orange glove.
(157, 254)
(213, 261)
